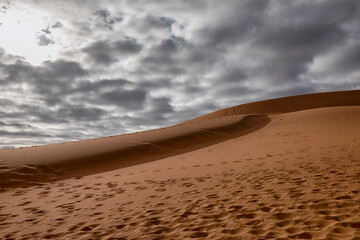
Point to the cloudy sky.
(72, 70)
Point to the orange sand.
(288, 169)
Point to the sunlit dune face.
(28, 33)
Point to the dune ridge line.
(27, 166)
(287, 104)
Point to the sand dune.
(286, 168)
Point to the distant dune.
(286, 168)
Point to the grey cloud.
(107, 52)
(6, 58)
(18, 125)
(56, 81)
(127, 46)
(6, 102)
(49, 71)
(106, 17)
(307, 30)
(101, 52)
(87, 86)
(160, 111)
(163, 58)
(308, 37)
(232, 75)
(62, 69)
(22, 134)
(66, 113)
(46, 30)
(348, 61)
(57, 25)
(235, 23)
(50, 80)
(44, 40)
(149, 22)
(118, 92)
(167, 21)
(80, 113)
(129, 99)
(168, 46)
(156, 83)
(233, 91)
(163, 53)
(161, 108)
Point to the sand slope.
(293, 175)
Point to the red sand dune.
(286, 168)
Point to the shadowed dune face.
(29, 166)
(279, 169)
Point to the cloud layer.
(139, 65)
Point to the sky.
(72, 70)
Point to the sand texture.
(285, 168)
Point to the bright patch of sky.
(28, 33)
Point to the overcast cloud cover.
(124, 66)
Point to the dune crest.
(288, 104)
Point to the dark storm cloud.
(163, 57)
(52, 72)
(232, 75)
(129, 99)
(235, 23)
(107, 52)
(348, 60)
(50, 81)
(118, 92)
(160, 109)
(54, 82)
(295, 44)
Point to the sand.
(255, 172)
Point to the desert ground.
(285, 168)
